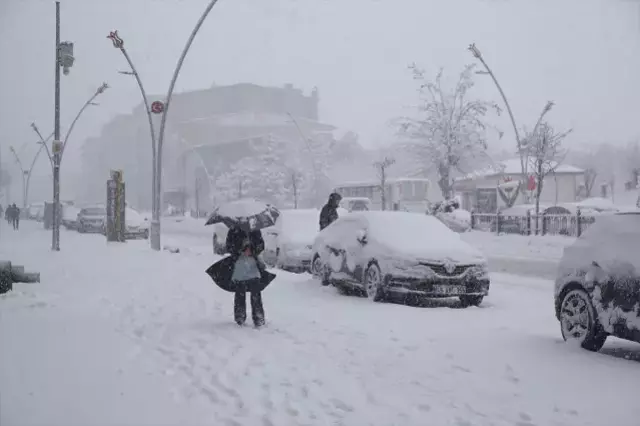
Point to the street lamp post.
(118, 43)
(478, 55)
(155, 243)
(63, 59)
(23, 174)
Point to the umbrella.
(247, 214)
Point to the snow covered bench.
(10, 274)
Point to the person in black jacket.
(329, 212)
(247, 273)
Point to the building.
(207, 132)
(487, 190)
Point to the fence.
(530, 224)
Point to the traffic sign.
(57, 147)
(157, 107)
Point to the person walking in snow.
(16, 216)
(329, 212)
(247, 275)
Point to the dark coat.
(222, 271)
(328, 215)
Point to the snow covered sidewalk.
(120, 335)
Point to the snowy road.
(119, 335)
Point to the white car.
(379, 253)
(288, 244)
(220, 231)
(70, 216)
(137, 225)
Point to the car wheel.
(81, 229)
(471, 300)
(579, 323)
(318, 270)
(278, 261)
(374, 283)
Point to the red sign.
(157, 107)
(532, 183)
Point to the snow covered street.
(116, 334)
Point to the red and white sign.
(157, 107)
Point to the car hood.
(456, 251)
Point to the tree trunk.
(539, 181)
(444, 182)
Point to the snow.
(513, 167)
(298, 227)
(418, 235)
(512, 246)
(70, 213)
(133, 218)
(241, 208)
(144, 338)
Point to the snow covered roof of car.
(513, 167)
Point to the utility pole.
(197, 196)
(382, 174)
(57, 148)
(64, 59)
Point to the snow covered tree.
(544, 151)
(449, 132)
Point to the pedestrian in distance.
(15, 219)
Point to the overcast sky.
(583, 54)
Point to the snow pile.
(144, 338)
(525, 247)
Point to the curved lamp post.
(118, 43)
(154, 236)
(98, 92)
(23, 173)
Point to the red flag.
(532, 183)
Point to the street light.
(23, 173)
(478, 55)
(154, 234)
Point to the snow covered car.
(137, 225)
(70, 217)
(597, 290)
(288, 244)
(384, 252)
(92, 219)
(220, 231)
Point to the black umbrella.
(247, 214)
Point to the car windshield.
(93, 211)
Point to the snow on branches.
(449, 130)
(544, 151)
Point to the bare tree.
(544, 151)
(382, 166)
(295, 178)
(590, 175)
(450, 130)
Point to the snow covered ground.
(119, 335)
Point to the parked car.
(380, 253)
(36, 212)
(220, 231)
(70, 217)
(597, 291)
(354, 204)
(137, 225)
(92, 219)
(288, 244)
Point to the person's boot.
(257, 309)
(240, 308)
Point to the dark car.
(378, 253)
(597, 291)
(92, 219)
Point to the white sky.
(583, 54)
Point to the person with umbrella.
(243, 271)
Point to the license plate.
(449, 289)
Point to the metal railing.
(572, 225)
